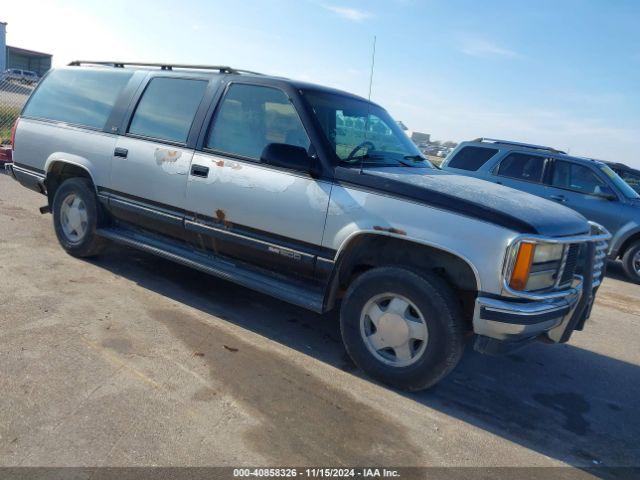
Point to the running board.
(298, 294)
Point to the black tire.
(628, 262)
(89, 244)
(440, 309)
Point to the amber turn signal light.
(522, 266)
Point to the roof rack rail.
(163, 66)
(518, 144)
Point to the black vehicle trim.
(28, 167)
(356, 178)
(177, 216)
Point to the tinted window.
(522, 166)
(167, 108)
(251, 117)
(81, 96)
(471, 158)
(577, 177)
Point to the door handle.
(120, 152)
(558, 198)
(199, 171)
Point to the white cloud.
(348, 13)
(483, 48)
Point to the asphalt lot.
(132, 360)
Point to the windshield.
(623, 186)
(363, 133)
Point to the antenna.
(373, 64)
(366, 123)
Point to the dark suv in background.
(586, 185)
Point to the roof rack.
(163, 66)
(518, 144)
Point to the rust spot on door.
(222, 217)
(220, 163)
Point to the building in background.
(420, 138)
(28, 60)
(14, 57)
(3, 46)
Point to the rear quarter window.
(471, 158)
(80, 96)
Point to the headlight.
(535, 266)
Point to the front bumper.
(504, 323)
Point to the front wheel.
(631, 262)
(402, 328)
(76, 217)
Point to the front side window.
(573, 176)
(472, 158)
(522, 166)
(362, 133)
(167, 108)
(250, 117)
(79, 96)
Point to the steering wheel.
(366, 143)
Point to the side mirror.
(286, 156)
(606, 194)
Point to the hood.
(488, 201)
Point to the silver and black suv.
(312, 195)
(591, 187)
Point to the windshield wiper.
(415, 158)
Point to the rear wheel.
(76, 217)
(402, 328)
(631, 262)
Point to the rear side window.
(471, 158)
(522, 166)
(250, 117)
(167, 108)
(81, 96)
(576, 177)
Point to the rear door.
(268, 216)
(523, 171)
(151, 161)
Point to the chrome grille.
(570, 264)
(599, 260)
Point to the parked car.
(18, 75)
(588, 186)
(246, 177)
(628, 174)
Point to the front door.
(580, 188)
(267, 216)
(523, 171)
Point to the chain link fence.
(13, 95)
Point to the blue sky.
(564, 73)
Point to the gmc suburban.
(311, 195)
